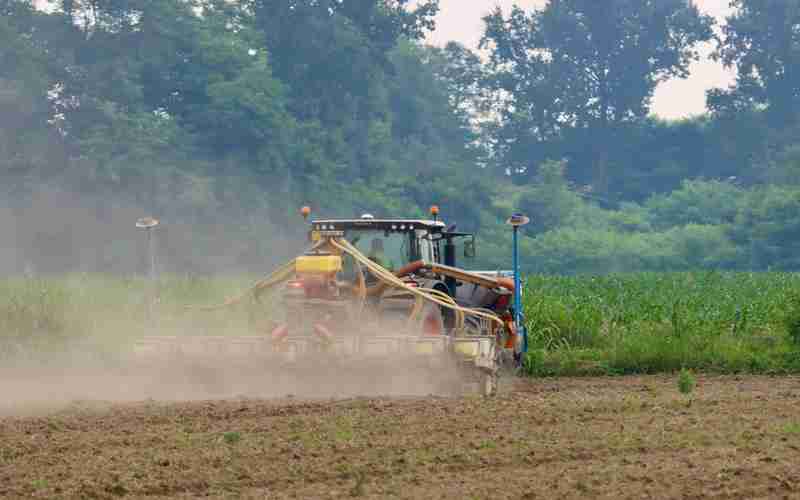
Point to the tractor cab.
(395, 243)
(421, 252)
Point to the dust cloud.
(40, 389)
(53, 231)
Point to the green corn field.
(715, 322)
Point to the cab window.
(391, 250)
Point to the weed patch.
(792, 429)
(231, 437)
(686, 382)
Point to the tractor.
(370, 290)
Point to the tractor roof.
(379, 224)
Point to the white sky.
(460, 20)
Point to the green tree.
(552, 199)
(768, 228)
(696, 202)
(30, 147)
(578, 70)
(463, 76)
(334, 56)
(432, 149)
(761, 39)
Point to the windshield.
(391, 250)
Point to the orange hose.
(506, 283)
(400, 273)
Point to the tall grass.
(45, 316)
(617, 324)
(646, 323)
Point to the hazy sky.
(461, 20)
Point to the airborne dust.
(52, 233)
(42, 389)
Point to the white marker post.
(148, 224)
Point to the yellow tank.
(318, 264)
(470, 348)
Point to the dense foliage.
(578, 72)
(655, 322)
(222, 117)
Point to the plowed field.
(734, 437)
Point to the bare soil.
(733, 437)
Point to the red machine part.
(432, 325)
(313, 286)
(323, 333)
(280, 333)
(511, 328)
(502, 302)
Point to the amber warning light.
(435, 211)
(305, 212)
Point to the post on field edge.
(516, 221)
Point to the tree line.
(228, 115)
